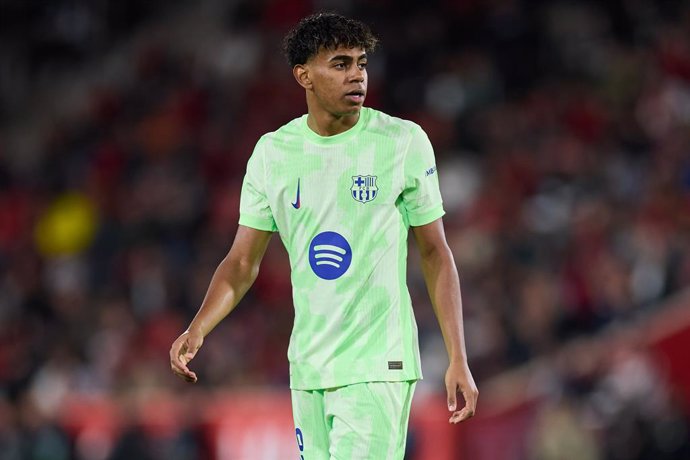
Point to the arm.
(232, 279)
(443, 284)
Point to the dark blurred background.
(562, 132)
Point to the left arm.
(443, 284)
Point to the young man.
(342, 185)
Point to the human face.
(337, 80)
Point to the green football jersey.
(343, 206)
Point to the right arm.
(232, 279)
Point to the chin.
(353, 110)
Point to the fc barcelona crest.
(364, 188)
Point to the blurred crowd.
(562, 133)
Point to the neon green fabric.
(343, 206)
(360, 421)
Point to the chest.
(339, 180)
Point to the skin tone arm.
(443, 284)
(232, 279)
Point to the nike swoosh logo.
(296, 204)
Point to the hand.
(459, 377)
(183, 351)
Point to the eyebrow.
(347, 57)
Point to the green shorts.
(360, 421)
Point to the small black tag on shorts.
(395, 365)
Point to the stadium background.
(562, 135)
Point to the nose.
(357, 74)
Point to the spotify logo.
(329, 255)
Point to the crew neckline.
(340, 137)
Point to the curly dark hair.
(325, 30)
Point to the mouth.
(356, 95)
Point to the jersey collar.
(337, 138)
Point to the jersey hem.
(257, 223)
(327, 384)
(417, 220)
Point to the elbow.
(242, 270)
(248, 270)
(439, 260)
(436, 253)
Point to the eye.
(339, 65)
(362, 65)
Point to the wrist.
(196, 330)
(458, 360)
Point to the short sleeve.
(421, 195)
(255, 211)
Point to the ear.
(301, 74)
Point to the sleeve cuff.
(258, 223)
(419, 219)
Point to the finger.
(471, 397)
(186, 358)
(176, 357)
(177, 349)
(183, 371)
(451, 390)
(461, 415)
(470, 407)
(178, 361)
(188, 375)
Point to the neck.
(327, 124)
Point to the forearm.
(443, 284)
(231, 281)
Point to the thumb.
(451, 389)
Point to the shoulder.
(283, 135)
(388, 125)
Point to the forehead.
(327, 54)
